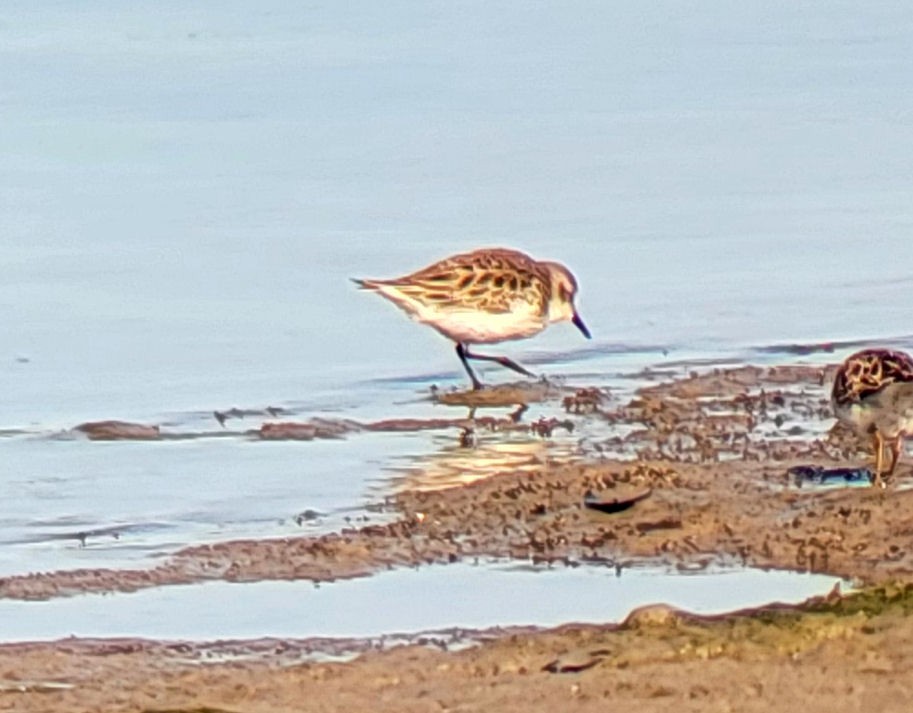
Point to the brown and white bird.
(873, 393)
(484, 297)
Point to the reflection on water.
(453, 465)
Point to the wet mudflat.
(714, 449)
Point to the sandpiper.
(873, 393)
(484, 297)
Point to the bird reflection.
(484, 447)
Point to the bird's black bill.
(581, 326)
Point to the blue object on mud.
(817, 475)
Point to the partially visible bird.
(483, 297)
(873, 393)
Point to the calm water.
(402, 602)
(184, 193)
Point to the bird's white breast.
(478, 327)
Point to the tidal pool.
(402, 601)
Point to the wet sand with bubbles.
(704, 462)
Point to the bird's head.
(561, 307)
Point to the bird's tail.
(362, 284)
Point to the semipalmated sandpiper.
(484, 297)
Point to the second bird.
(873, 394)
(484, 297)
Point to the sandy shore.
(713, 450)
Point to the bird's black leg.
(463, 352)
(503, 361)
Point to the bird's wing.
(867, 373)
(495, 281)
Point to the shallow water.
(401, 601)
(185, 193)
(77, 503)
